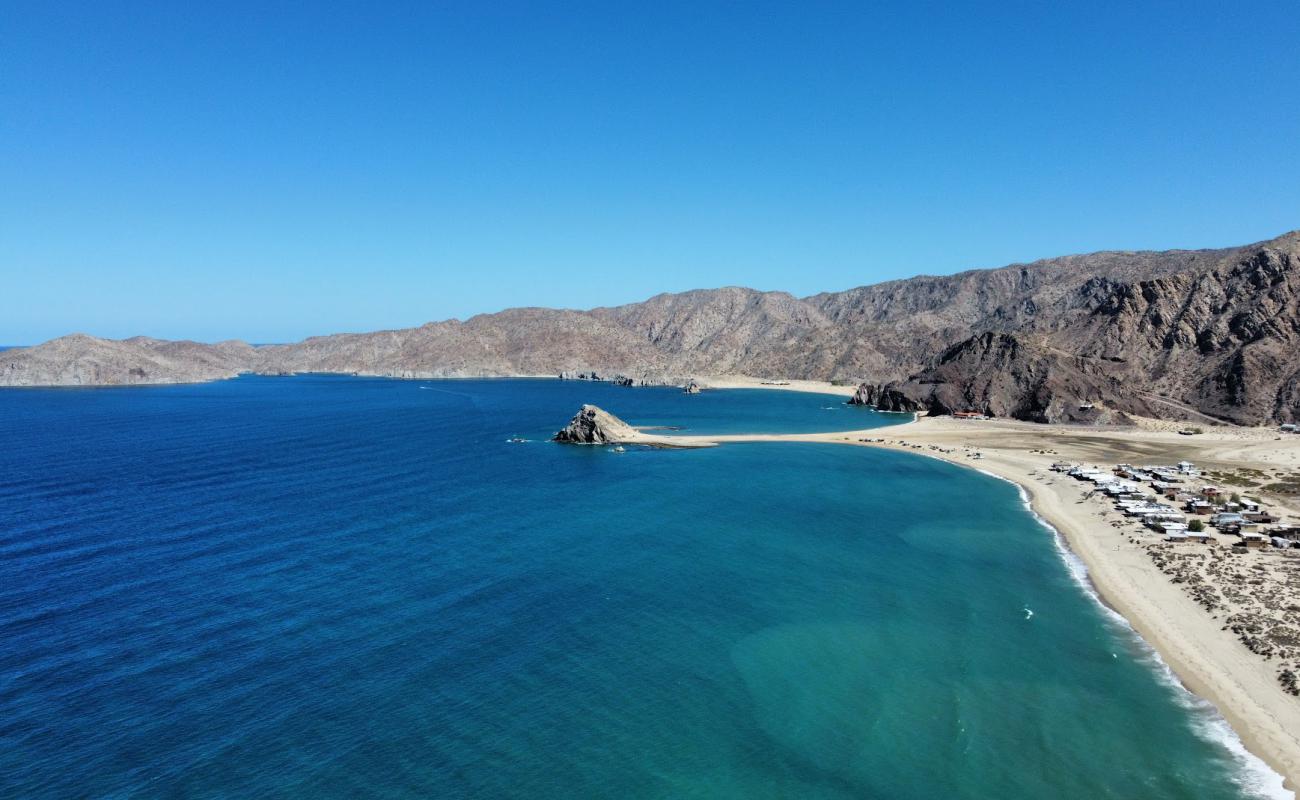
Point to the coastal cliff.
(1184, 334)
(885, 398)
(864, 395)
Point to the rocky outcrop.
(691, 388)
(593, 425)
(889, 398)
(884, 398)
(865, 395)
(1174, 333)
(617, 380)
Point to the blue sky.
(268, 173)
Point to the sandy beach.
(746, 382)
(1124, 566)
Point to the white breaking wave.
(1254, 776)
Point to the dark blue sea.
(330, 587)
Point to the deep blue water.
(340, 587)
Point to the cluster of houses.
(1171, 500)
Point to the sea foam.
(1254, 776)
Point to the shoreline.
(705, 382)
(1207, 661)
(1175, 652)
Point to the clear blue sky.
(242, 171)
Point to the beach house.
(1227, 519)
(1254, 540)
(1288, 531)
(1200, 506)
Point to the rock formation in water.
(885, 398)
(616, 379)
(691, 388)
(593, 425)
(1180, 334)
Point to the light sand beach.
(746, 382)
(1210, 660)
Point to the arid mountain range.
(1187, 334)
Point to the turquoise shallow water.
(337, 587)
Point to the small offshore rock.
(594, 425)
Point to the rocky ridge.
(82, 360)
(1203, 335)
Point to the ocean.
(320, 587)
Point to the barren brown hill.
(82, 360)
(1193, 334)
